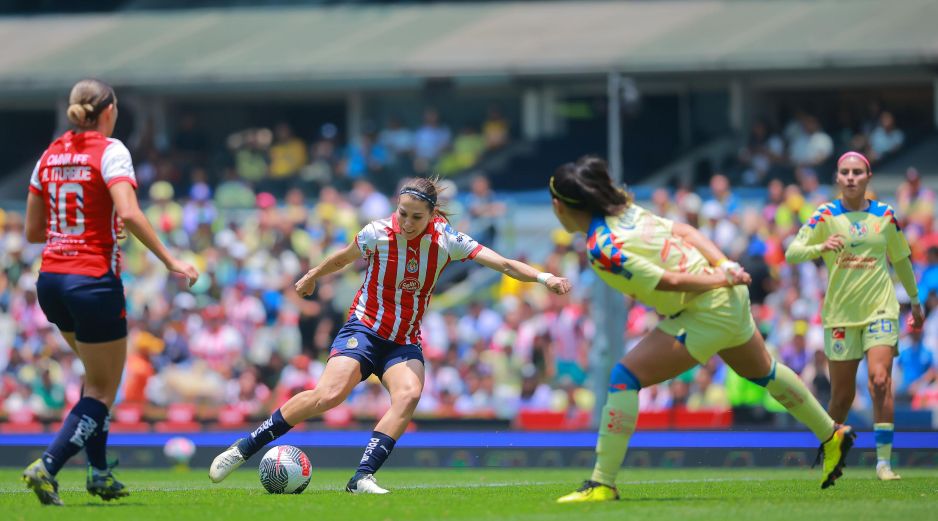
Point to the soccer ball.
(179, 450)
(285, 469)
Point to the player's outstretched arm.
(521, 271)
(331, 264)
(125, 202)
(35, 219)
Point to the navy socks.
(84, 421)
(273, 428)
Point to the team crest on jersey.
(858, 229)
(409, 285)
(352, 343)
(412, 266)
(839, 347)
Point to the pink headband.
(857, 155)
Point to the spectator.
(397, 139)
(484, 209)
(287, 157)
(251, 151)
(885, 139)
(430, 141)
(813, 146)
(218, 344)
(705, 394)
(233, 192)
(495, 129)
(164, 212)
(763, 151)
(366, 157)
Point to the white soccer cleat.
(885, 473)
(365, 485)
(225, 463)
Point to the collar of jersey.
(871, 207)
(598, 221)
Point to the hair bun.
(77, 113)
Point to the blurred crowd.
(241, 337)
(803, 147)
(275, 159)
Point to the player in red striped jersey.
(406, 254)
(81, 189)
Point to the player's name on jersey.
(66, 173)
(67, 159)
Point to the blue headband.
(421, 195)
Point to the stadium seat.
(704, 419)
(21, 422)
(180, 417)
(338, 417)
(231, 418)
(128, 417)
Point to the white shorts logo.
(352, 343)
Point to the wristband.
(727, 267)
(721, 262)
(543, 277)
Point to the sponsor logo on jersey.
(412, 266)
(409, 285)
(839, 333)
(855, 244)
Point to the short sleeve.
(897, 247)
(116, 165)
(367, 240)
(459, 246)
(814, 231)
(35, 186)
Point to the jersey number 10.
(59, 217)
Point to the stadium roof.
(387, 45)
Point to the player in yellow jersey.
(855, 235)
(684, 276)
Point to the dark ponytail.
(586, 185)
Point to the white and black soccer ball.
(285, 469)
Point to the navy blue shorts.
(91, 307)
(374, 354)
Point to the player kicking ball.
(855, 235)
(406, 254)
(685, 277)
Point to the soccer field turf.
(483, 494)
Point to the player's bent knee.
(622, 379)
(407, 398)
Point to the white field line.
(325, 487)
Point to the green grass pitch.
(492, 494)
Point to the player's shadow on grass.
(671, 499)
(104, 505)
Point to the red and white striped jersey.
(72, 177)
(401, 274)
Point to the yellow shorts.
(852, 343)
(716, 320)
